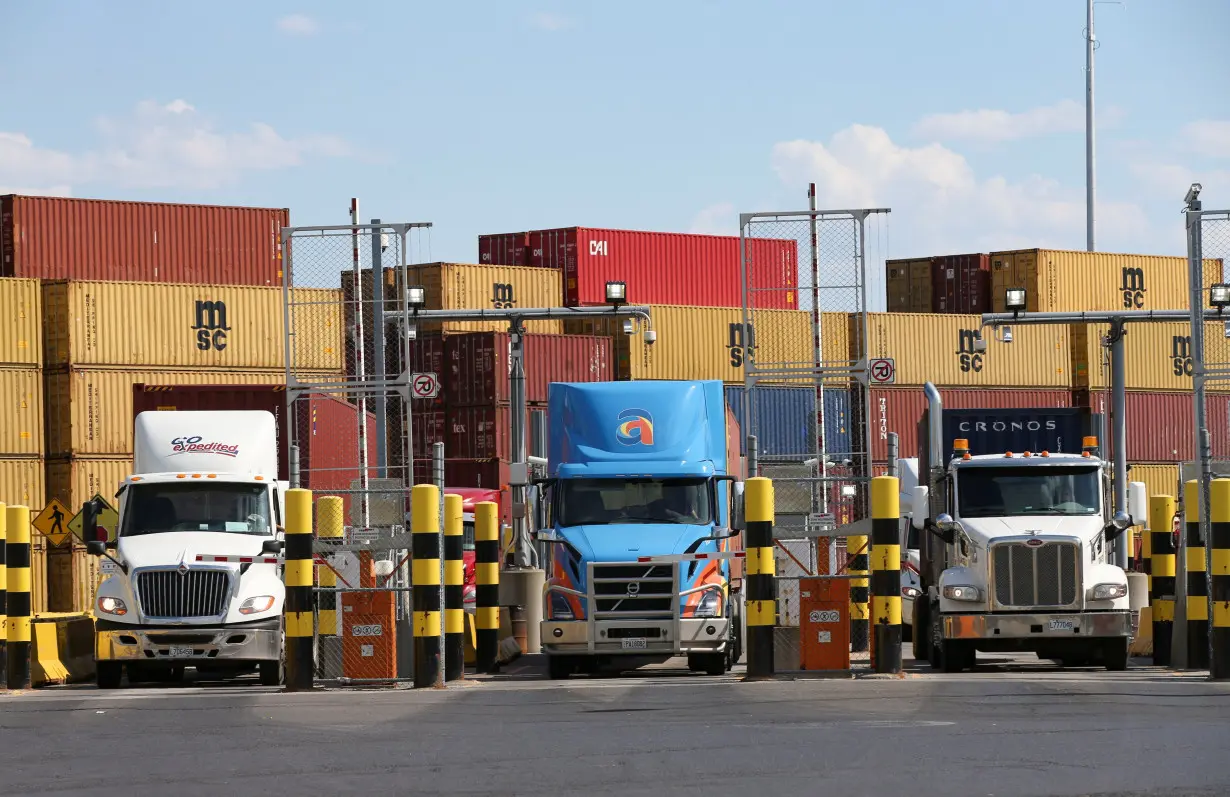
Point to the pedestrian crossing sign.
(52, 523)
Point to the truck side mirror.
(738, 521)
(96, 547)
(272, 546)
(1138, 502)
(920, 508)
(945, 528)
(1119, 523)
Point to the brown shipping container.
(709, 342)
(1160, 426)
(909, 285)
(21, 322)
(961, 284)
(75, 480)
(21, 412)
(135, 324)
(478, 365)
(54, 238)
(89, 411)
(1065, 281)
(1157, 356)
(508, 249)
(482, 432)
(940, 349)
(1158, 479)
(898, 410)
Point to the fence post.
(1219, 570)
(300, 658)
(454, 590)
(17, 578)
(886, 572)
(761, 598)
(1162, 577)
(4, 656)
(425, 581)
(856, 550)
(330, 522)
(487, 586)
(1197, 586)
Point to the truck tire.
(1115, 655)
(109, 674)
(921, 642)
(708, 663)
(271, 673)
(956, 655)
(735, 646)
(559, 667)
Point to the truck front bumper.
(1050, 626)
(636, 637)
(189, 645)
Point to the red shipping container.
(429, 429)
(1160, 426)
(899, 409)
(504, 249)
(961, 284)
(483, 432)
(668, 268)
(491, 474)
(55, 238)
(478, 365)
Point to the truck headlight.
(962, 593)
(261, 603)
(910, 592)
(559, 608)
(710, 605)
(1108, 592)
(112, 606)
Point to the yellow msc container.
(940, 349)
(21, 412)
(1157, 356)
(75, 480)
(1067, 281)
(21, 333)
(21, 483)
(908, 284)
(465, 286)
(158, 325)
(1158, 479)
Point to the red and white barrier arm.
(243, 560)
(691, 557)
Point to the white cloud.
(550, 22)
(298, 25)
(1208, 137)
(1065, 116)
(159, 146)
(940, 205)
(719, 219)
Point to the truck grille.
(1047, 575)
(196, 593)
(633, 591)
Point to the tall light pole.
(1090, 45)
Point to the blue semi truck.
(641, 516)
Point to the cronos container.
(136, 324)
(55, 238)
(1157, 356)
(668, 268)
(899, 410)
(478, 365)
(908, 284)
(941, 349)
(21, 323)
(961, 284)
(504, 249)
(1160, 426)
(1065, 281)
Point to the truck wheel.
(955, 655)
(708, 663)
(922, 641)
(271, 673)
(1115, 654)
(735, 646)
(559, 667)
(109, 674)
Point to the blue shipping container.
(784, 419)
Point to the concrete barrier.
(63, 649)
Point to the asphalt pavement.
(1010, 729)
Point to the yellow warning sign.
(108, 521)
(52, 523)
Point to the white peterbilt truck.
(1014, 553)
(203, 498)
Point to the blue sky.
(966, 117)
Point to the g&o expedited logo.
(635, 428)
(195, 444)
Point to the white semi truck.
(204, 496)
(1015, 549)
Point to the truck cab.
(193, 579)
(640, 516)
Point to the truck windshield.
(235, 508)
(996, 492)
(595, 502)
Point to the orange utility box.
(369, 622)
(824, 623)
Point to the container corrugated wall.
(21, 482)
(21, 412)
(1157, 356)
(75, 480)
(909, 285)
(135, 324)
(1160, 426)
(54, 238)
(785, 420)
(961, 284)
(21, 323)
(1158, 479)
(478, 365)
(1068, 281)
(504, 249)
(940, 349)
(454, 286)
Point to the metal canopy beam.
(520, 312)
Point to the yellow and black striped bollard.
(454, 590)
(1219, 511)
(17, 580)
(1197, 585)
(886, 572)
(297, 574)
(425, 582)
(859, 592)
(1162, 577)
(487, 586)
(330, 528)
(4, 656)
(761, 598)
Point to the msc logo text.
(968, 359)
(740, 344)
(1133, 288)
(1181, 355)
(502, 296)
(211, 325)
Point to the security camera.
(651, 337)
(412, 332)
(980, 344)
(1193, 194)
(629, 328)
(1007, 335)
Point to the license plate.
(180, 653)
(634, 644)
(1061, 625)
